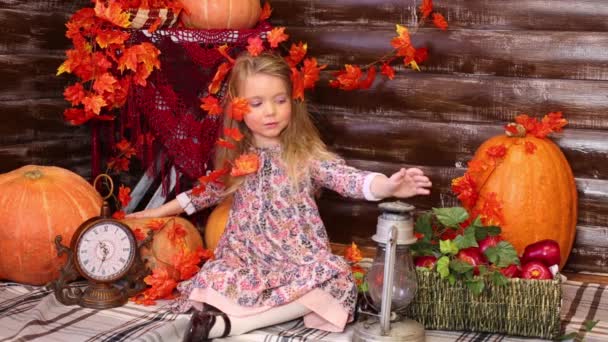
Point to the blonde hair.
(300, 140)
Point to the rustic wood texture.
(32, 130)
(496, 60)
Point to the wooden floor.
(369, 252)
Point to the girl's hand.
(148, 213)
(403, 183)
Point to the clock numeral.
(123, 238)
(122, 259)
(105, 228)
(103, 272)
(115, 230)
(95, 231)
(93, 270)
(125, 249)
(86, 261)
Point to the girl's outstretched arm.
(168, 209)
(402, 184)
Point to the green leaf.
(569, 336)
(482, 269)
(424, 227)
(452, 279)
(476, 285)
(482, 232)
(502, 255)
(364, 287)
(467, 239)
(424, 248)
(499, 279)
(589, 324)
(448, 247)
(451, 217)
(460, 266)
(443, 266)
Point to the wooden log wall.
(32, 46)
(497, 59)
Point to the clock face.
(105, 251)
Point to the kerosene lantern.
(391, 279)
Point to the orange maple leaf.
(154, 25)
(233, 133)
(225, 143)
(369, 80)
(245, 164)
(156, 225)
(161, 284)
(105, 82)
(199, 190)
(347, 79)
(124, 196)
(139, 234)
(311, 71)
(77, 116)
(530, 147)
(387, 71)
(74, 93)
(296, 53)
(402, 43)
(214, 176)
(186, 264)
(426, 8)
(277, 36)
(497, 151)
(107, 37)
(440, 21)
(297, 82)
(421, 55)
(112, 13)
(255, 46)
(239, 107)
(128, 60)
(118, 164)
(212, 105)
(93, 103)
(266, 11)
(125, 148)
(220, 74)
(118, 215)
(353, 253)
(224, 52)
(491, 211)
(466, 190)
(176, 232)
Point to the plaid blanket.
(30, 313)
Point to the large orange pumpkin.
(531, 180)
(220, 14)
(216, 224)
(37, 203)
(163, 249)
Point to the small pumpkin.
(524, 184)
(216, 223)
(167, 242)
(37, 203)
(220, 14)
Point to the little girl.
(274, 260)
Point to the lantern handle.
(109, 179)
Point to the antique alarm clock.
(105, 252)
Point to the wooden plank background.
(497, 59)
(32, 46)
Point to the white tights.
(276, 315)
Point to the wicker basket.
(144, 18)
(523, 307)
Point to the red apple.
(511, 271)
(472, 256)
(489, 241)
(546, 251)
(427, 261)
(535, 270)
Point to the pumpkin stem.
(515, 130)
(34, 174)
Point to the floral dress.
(275, 248)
